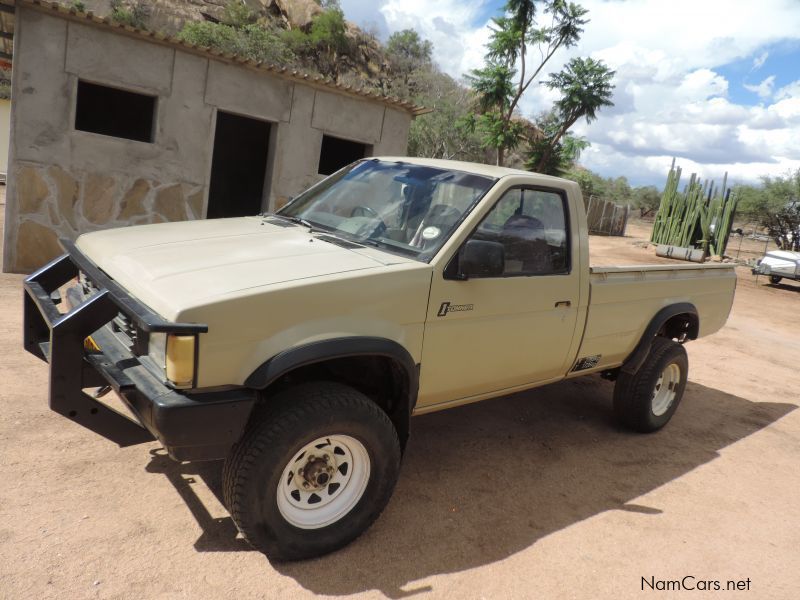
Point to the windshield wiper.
(299, 221)
(385, 244)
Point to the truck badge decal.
(446, 307)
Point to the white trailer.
(779, 264)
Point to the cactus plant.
(700, 216)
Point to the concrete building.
(111, 126)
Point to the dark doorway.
(238, 166)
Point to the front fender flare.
(317, 352)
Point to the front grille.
(87, 286)
(122, 327)
(125, 330)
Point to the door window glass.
(532, 227)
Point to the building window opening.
(114, 112)
(337, 153)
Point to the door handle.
(564, 303)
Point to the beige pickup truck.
(297, 345)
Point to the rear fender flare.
(636, 359)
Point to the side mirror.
(479, 258)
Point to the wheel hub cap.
(323, 481)
(317, 471)
(666, 389)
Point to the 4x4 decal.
(446, 307)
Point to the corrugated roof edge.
(284, 72)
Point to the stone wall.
(54, 203)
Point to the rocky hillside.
(365, 64)
(169, 16)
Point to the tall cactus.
(701, 216)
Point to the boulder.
(299, 13)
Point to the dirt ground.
(536, 495)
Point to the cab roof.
(467, 167)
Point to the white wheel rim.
(665, 389)
(323, 481)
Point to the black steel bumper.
(192, 426)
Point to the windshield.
(399, 207)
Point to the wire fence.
(605, 217)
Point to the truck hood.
(172, 267)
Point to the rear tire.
(775, 279)
(646, 400)
(316, 466)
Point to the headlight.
(180, 359)
(175, 356)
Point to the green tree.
(562, 157)
(328, 37)
(443, 133)
(500, 85)
(646, 199)
(776, 206)
(325, 44)
(774, 193)
(237, 14)
(252, 41)
(408, 47)
(620, 190)
(408, 53)
(586, 86)
(136, 13)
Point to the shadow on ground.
(785, 286)
(482, 482)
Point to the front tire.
(316, 466)
(775, 279)
(646, 400)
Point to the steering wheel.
(365, 211)
(370, 213)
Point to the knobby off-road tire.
(646, 401)
(326, 431)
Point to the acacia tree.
(780, 209)
(516, 36)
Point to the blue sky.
(714, 83)
(780, 60)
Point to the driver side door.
(510, 330)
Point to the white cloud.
(670, 99)
(702, 84)
(763, 89)
(449, 24)
(759, 60)
(789, 91)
